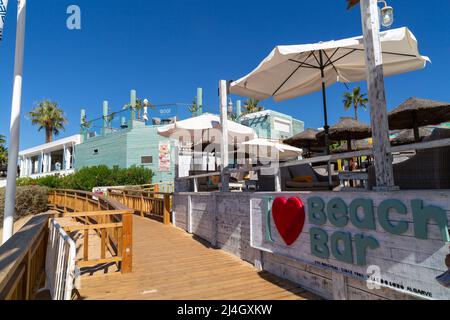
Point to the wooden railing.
(22, 261)
(110, 220)
(163, 187)
(150, 203)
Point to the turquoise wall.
(265, 125)
(125, 149)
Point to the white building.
(54, 158)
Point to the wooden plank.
(93, 214)
(93, 227)
(196, 272)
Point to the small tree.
(194, 108)
(355, 99)
(252, 106)
(48, 116)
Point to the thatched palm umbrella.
(408, 137)
(306, 139)
(348, 129)
(415, 113)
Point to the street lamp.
(386, 15)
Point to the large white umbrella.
(296, 70)
(273, 150)
(207, 128)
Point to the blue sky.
(166, 49)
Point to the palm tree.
(194, 108)
(355, 99)
(85, 123)
(252, 106)
(3, 156)
(3, 151)
(48, 116)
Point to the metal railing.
(60, 267)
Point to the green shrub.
(88, 178)
(29, 200)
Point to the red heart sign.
(289, 216)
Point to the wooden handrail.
(111, 220)
(22, 261)
(155, 204)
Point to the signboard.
(400, 242)
(164, 156)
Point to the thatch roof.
(305, 139)
(352, 3)
(416, 112)
(348, 129)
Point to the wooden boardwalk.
(168, 264)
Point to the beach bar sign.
(406, 236)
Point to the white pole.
(377, 96)
(223, 92)
(10, 195)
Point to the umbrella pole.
(325, 113)
(416, 127)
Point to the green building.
(274, 125)
(138, 145)
(127, 138)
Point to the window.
(282, 125)
(147, 160)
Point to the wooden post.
(223, 92)
(86, 245)
(65, 201)
(377, 96)
(142, 205)
(167, 209)
(127, 244)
